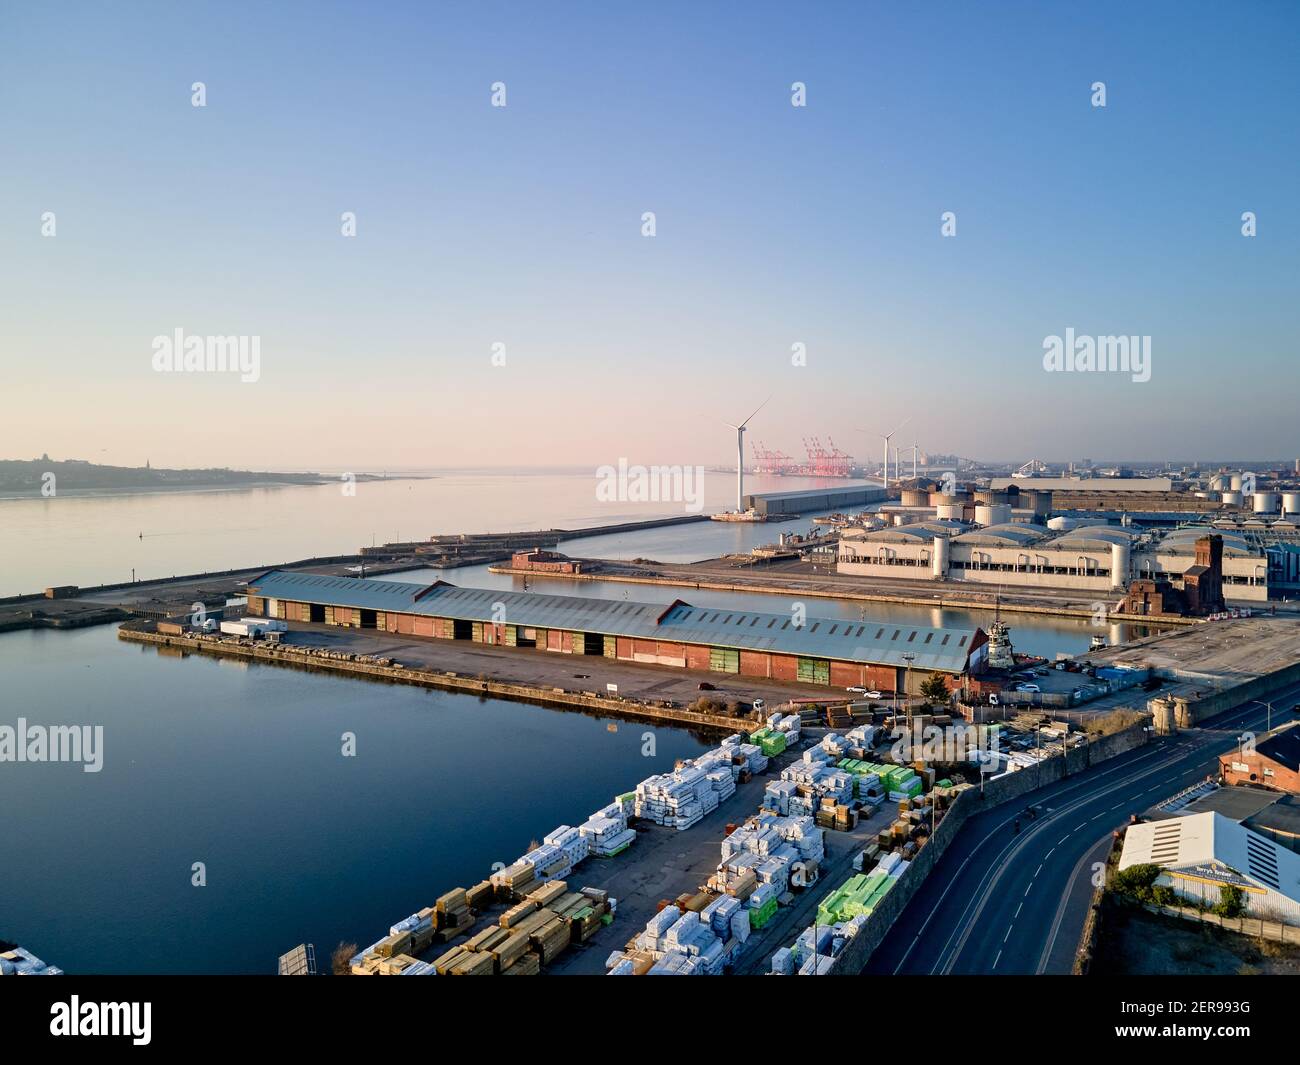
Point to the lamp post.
(909, 657)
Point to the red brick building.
(1274, 763)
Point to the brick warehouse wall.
(757, 664)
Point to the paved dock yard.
(663, 863)
(1224, 653)
(544, 669)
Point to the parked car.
(1028, 688)
(759, 704)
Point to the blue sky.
(775, 225)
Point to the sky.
(522, 226)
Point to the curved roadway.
(999, 901)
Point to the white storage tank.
(1119, 563)
(916, 497)
(939, 559)
(1265, 502)
(1219, 483)
(992, 513)
(1233, 499)
(1235, 482)
(949, 511)
(1291, 502)
(1062, 524)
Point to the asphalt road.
(1007, 902)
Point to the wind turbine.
(740, 455)
(887, 437)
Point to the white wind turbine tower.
(887, 437)
(740, 455)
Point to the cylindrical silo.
(992, 513)
(939, 560)
(1233, 499)
(950, 511)
(1265, 502)
(915, 497)
(1291, 502)
(1119, 563)
(1235, 482)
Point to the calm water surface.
(239, 767)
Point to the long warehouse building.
(830, 651)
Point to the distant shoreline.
(109, 492)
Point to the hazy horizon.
(775, 226)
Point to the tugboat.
(1098, 643)
(1001, 653)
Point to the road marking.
(997, 959)
(1018, 909)
(1131, 771)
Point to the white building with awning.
(1199, 853)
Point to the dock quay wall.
(34, 619)
(97, 589)
(1258, 688)
(287, 655)
(513, 541)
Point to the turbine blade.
(756, 410)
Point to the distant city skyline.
(781, 233)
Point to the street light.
(909, 657)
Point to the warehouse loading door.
(814, 671)
(317, 613)
(722, 660)
(593, 643)
(462, 630)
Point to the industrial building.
(1200, 853)
(1100, 558)
(1273, 763)
(823, 499)
(829, 651)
